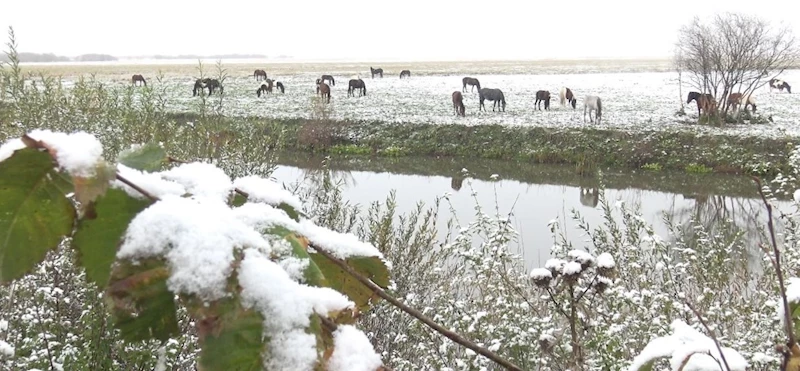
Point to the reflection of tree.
(590, 197)
(316, 177)
(456, 182)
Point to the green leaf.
(238, 200)
(312, 275)
(141, 305)
(87, 190)
(147, 157)
(289, 211)
(233, 342)
(96, 240)
(339, 280)
(647, 366)
(794, 309)
(35, 214)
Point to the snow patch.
(352, 351)
(201, 180)
(265, 190)
(77, 153)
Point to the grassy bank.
(586, 149)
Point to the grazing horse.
(279, 86)
(542, 96)
(258, 74)
(356, 84)
(702, 100)
(211, 84)
(592, 103)
(329, 79)
(780, 85)
(458, 103)
(494, 95)
(324, 90)
(138, 78)
(376, 71)
(472, 82)
(265, 88)
(565, 95)
(405, 73)
(736, 99)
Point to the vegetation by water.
(481, 292)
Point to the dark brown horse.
(704, 101)
(206, 83)
(258, 74)
(329, 79)
(458, 104)
(279, 86)
(356, 84)
(565, 95)
(494, 95)
(324, 90)
(542, 96)
(780, 85)
(472, 82)
(265, 88)
(376, 71)
(138, 78)
(405, 73)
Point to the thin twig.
(136, 187)
(778, 269)
(417, 314)
(557, 304)
(710, 333)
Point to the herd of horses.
(591, 103)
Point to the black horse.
(470, 81)
(542, 96)
(279, 86)
(494, 95)
(405, 73)
(329, 79)
(376, 71)
(356, 84)
(210, 84)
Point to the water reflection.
(723, 205)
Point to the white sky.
(409, 29)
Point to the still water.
(534, 195)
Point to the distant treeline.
(218, 56)
(50, 57)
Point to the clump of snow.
(793, 290)
(352, 351)
(796, 192)
(77, 153)
(541, 274)
(6, 349)
(605, 261)
(201, 180)
(555, 264)
(265, 190)
(685, 341)
(197, 238)
(152, 183)
(581, 256)
(286, 306)
(572, 268)
(3, 325)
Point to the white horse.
(565, 95)
(780, 85)
(592, 103)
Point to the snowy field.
(632, 101)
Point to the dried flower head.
(606, 265)
(541, 277)
(584, 258)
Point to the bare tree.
(733, 53)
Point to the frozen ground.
(632, 101)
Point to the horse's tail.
(599, 108)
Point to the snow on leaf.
(352, 351)
(264, 190)
(152, 183)
(201, 180)
(76, 153)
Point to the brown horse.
(405, 73)
(565, 95)
(210, 84)
(323, 90)
(356, 84)
(472, 82)
(138, 78)
(376, 71)
(329, 79)
(258, 74)
(704, 101)
(736, 99)
(458, 103)
(265, 88)
(542, 96)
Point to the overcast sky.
(411, 29)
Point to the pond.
(534, 195)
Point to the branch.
(778, 269)
(710, 333)
(136, 187)
(416, 314)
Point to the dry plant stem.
(777, 262)
(136, 187)
(710, 333)
(416, 314)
